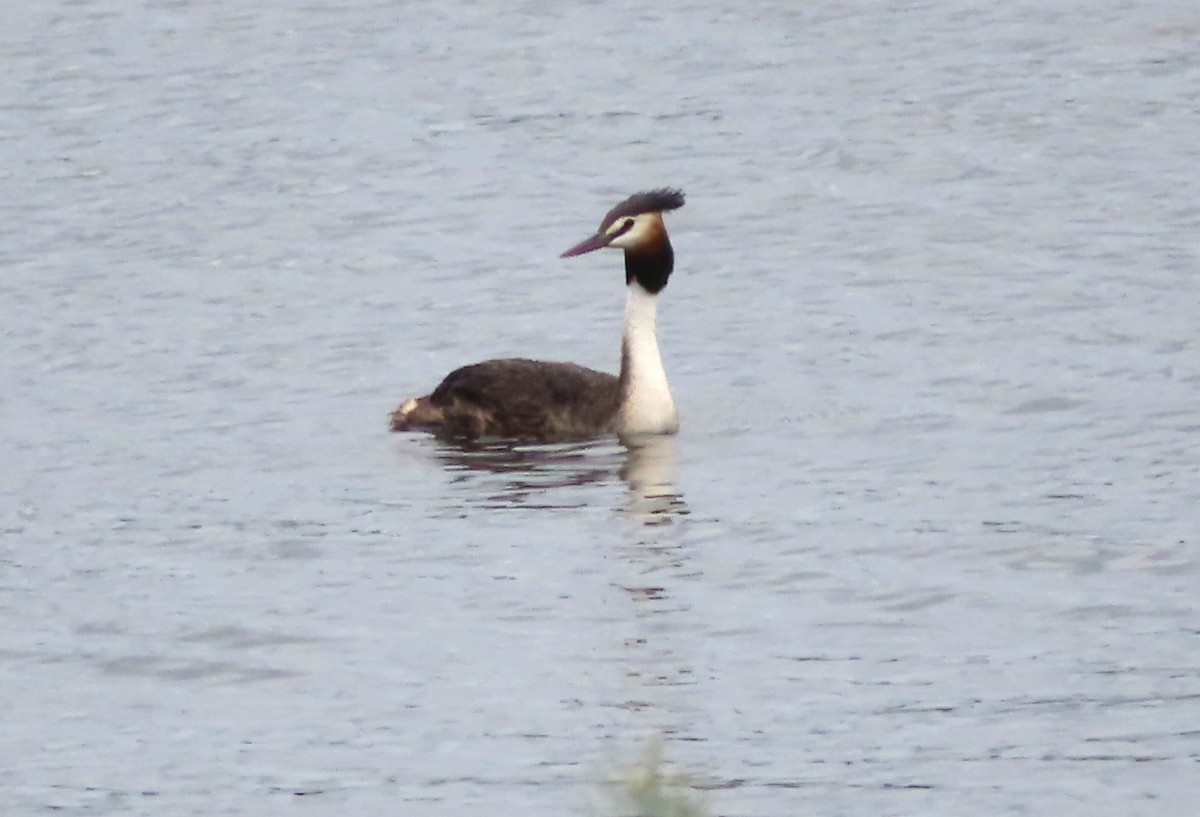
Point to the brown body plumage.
(515, 397)
(531, 399)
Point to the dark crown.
(653, 201)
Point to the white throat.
(647, 407)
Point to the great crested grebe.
(533, 399)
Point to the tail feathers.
(416, 413)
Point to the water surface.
(926, 543)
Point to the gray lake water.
(927, 543)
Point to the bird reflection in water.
(503, 474)
(649, 471)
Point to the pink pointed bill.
(596, 242)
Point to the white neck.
(647, 407)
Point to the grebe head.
(634, 225)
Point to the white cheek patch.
(637, 234)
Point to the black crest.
(653, 201)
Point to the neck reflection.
(649, 471)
